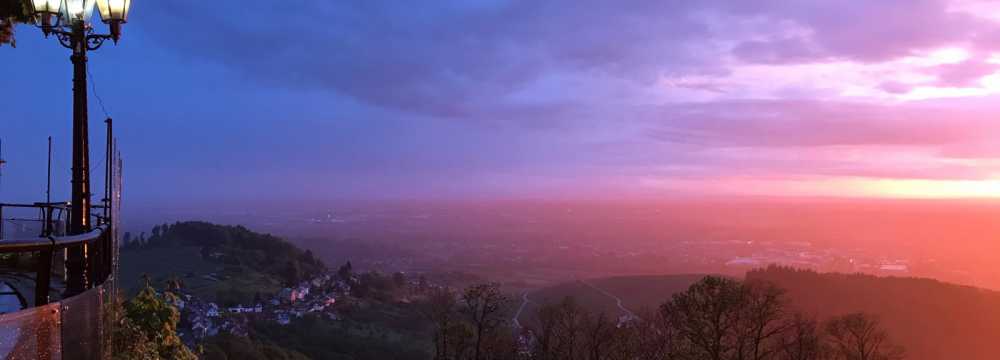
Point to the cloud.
(786, 123)
(644, 88)
(895, 87)
(438, 58)
(964, 74)
(453, 58)
(781, 51)
(787, 139)
(864, 31)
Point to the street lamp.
(114, 13)
(77, 10)
(74, 31)
(44, 11)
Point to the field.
(187, 264)
(164, 263)
(600, 295)
(638, 292)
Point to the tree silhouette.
(561, 330)
(859, 336)
(801, 340)
(442, 310)
(707, 317)
(716, 318)
(485, 307)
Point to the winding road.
(524, 303)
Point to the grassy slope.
(583, 295)
(636, 292)
(161, 264)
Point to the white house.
(213, 310)
(283, 319)
(240, 309)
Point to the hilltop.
(227, 264)
(246, 295)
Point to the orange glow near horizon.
(848, 187)
(931, 189)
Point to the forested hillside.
(227, 264)
(932, 319)
(362, 316)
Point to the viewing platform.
(51, 308)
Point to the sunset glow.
(877, 99)
(500, 179)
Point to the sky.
(220, 101)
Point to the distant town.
(537, 245)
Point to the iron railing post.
(43, 276)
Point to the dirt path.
(618, 301)
(524, 303)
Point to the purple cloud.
(964, 74)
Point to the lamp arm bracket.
(94, 41)
(65, 38)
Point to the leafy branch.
(12, 12)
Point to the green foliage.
(12, 12)
(346, 271)
(148, 329)
(229, 347)
(377, 286)
(161, 265)
(15, 10)
(130, 342)
(319, 338)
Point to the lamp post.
(69, 20)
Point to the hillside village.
(321, 295)
(201, 318)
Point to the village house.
(282, 318)
(240, 309)
(213, 310)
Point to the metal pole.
(2, 162)
(107, 171)
(48, 194)
(43, 277)
(107, 246)
(79, 221)
(48, 176)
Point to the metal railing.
(80, 321)
(98, 245)
(73, 323)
